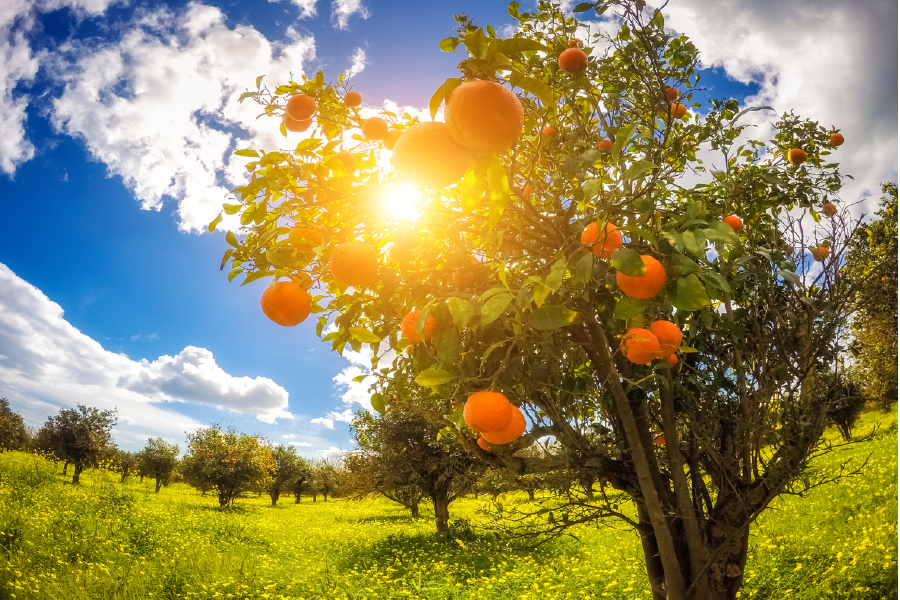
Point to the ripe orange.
(672, 359)
(391, 138)
(640, 346)
(573, 61)
(292, 124)
(301, 107)
(286, 303)
(829, 209)
(484, 115)
(735, 222)
(796, 156)
(352, 99)
(660, 440)
(408, 327)
(821, 253)
(574, 43)
(513, 430)
(548, 131)
(427, 156)
(644, 286)
(836, 139)
(375, 128)
(527, 190)
(463, 277)
(487, 411)
(669, 337)
(671, 94)
(884, 278)
(483, 444)
(347, 158)
(678, 110)
(605, 247)
(605, 145)
(353, 263)
(306, 238)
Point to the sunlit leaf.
(433, 377)
(550, 317)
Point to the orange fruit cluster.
(492, 415)
(796, 156)
(661, 340)
(678, 110)
(286, 303)
(612, 239)
(821, 253)
(829, 209)
(408, 327)
(644, 286)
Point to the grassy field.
(104, 539)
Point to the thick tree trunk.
(66, 468)
(530, 495)
(224, 498)
(274, 496)
(314, 496)
(441, 501)
(296, 498)
(158, 484)
(77, 473)
(324, 496)
(414, 509)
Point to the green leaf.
(550, 317)
(627, 261)
(694, 242)
(442, 93)
(433, 377)
(364, 335)
(230, 209)
(791, 278)
(377, 401)
(622, 136)
(630, 308)
(216, 221)
(716, 281)
(495, 307)
(541, 292)
(720, 231)
(591, 188)
(492, 292)
(682, 265)
(513, 45)
(687, 349)
(584, 268)
(690, 294)
(460, 310)
(554, 279)
(231, 239)
(449, 44)
(250, 153)
(476, 43)
(752, 109)
(637, 169)
(536, 87)
(251, 277)
(584, 6)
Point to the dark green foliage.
(13, 435)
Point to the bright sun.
(402, 200)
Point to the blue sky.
(117, 123)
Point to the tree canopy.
(542, 263)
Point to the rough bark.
(274, 496)
(158, 484)
(441, 501)
(414, 510)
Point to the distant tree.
(301, 484)
(126, 463)
(228, 460)
(367, 476)
(13, 435)
(845, 402)
(401, 449)
(872, 270)
(287, 469)
(79, 435)
(325, 479)
(159, 459)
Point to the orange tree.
(228, 460)
(572, 252)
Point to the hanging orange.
(669, 336)
(301, 107)
(573, 61)
(286, 303)
(353, 263)
(644, 286)
(487, 411)
(375, 128)
(604, 248)
(427, 156)
(513, 430)
(484, 116)
(408, 327)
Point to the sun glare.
(403, 200)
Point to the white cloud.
(194, 376)
(48, 364)
(333, 451)
(828, 60)
(329, 423)
(358, 62)
(307, 7)
(342, 10)
(346, 416)
(159, 105)
(301, 444)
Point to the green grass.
(103, 539)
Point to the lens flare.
(403, 201)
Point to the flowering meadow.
(107, 539)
